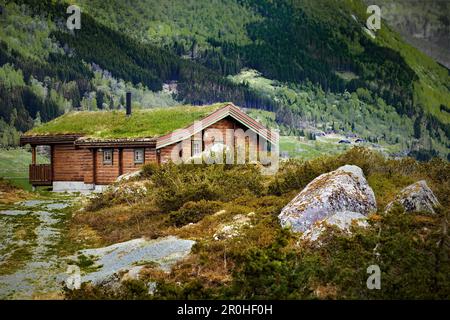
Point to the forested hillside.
(47, 70)
(202, 46)
(424, 24)
(286, 40)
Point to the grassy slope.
(14, 166)
(160, 22)
(142, 123)
(406, 242)
(432, 88)
(182, 21)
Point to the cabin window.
(196, 147)
(107, 156)
(138, 156)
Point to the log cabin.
(91, 149)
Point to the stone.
(345, 189)
(127, 258)
(415, 197)
(129, 176)
(342, 220)
(233, 229)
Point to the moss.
(143, 123)
(24, 241)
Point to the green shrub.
(192, 212)
(410, 249)
(178, 184)
(149, 169)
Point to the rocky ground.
(30, 264)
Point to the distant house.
(91, 149)
(343, 141)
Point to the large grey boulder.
(343, 220)
(129, 257)
(415, 197)
(345, 189)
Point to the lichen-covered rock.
(233, 229)
(415, 197)
(345, 189)
(114, 263)
(129, 176)
(342, 220)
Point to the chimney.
(128, 104)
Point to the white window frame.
(108, 155)
(196, 147)
(138, 152)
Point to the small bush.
(178, 184)
(149, 169)
(192, 212)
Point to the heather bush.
(178, 184)
(192, 212)
(265, 261)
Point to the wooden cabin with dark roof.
(90, 150)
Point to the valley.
(364, 147)
(203, 57)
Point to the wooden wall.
(222, 125)
(71, 164)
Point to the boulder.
(342, 220)
(233, 229)
(129, 176)
(415, 197)
(124, 261)
(345, 189)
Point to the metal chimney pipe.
(128, 103)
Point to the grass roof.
(143, 123)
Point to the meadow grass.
(143, 123)
(14, 166)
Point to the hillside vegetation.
(385, 66)
(316, 46)
(115, 124)
(259, 259)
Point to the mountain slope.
(286, 40)
(195, 45)
(295, 41)
(424, 24)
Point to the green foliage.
(10, 77)
(304, 109)
(192, 212)
(179, 184)
(142, 123)
(412, 267)
(266, 261)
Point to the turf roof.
(143, 123)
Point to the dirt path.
(29, 233)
